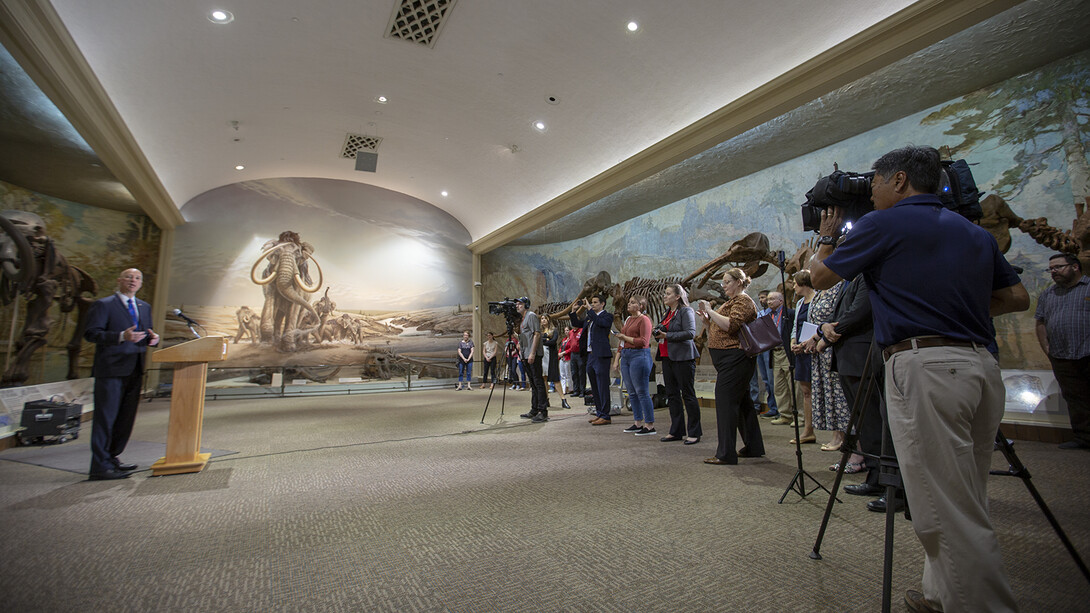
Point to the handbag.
(759, 335)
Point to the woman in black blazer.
(677, 352)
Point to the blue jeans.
(765, 368)
(635, 371)
(466, 369)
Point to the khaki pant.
(945, 404)
(781, 377)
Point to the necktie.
(132, 312)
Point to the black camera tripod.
(507, 375)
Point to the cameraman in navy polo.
(935, 280)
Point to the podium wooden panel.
(190, 360)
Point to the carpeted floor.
(406, 502)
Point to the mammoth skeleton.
(31, 266)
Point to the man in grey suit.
(120, 327)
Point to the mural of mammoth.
(287, 287)
(31, 266)
(249, 324)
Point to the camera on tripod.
(851, 192)
(507, 308)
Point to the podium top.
(207, 349)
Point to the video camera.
(851, 192)
(506, 307)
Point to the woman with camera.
(733, 370)
(677, 352)
(635, 352)
(550, 337)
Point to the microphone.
(179, 313)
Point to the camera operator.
(530, 341)
(935, 278)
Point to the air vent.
(356, 142)
(419, 21)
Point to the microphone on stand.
(190, 321)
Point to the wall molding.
(33, 33)
(900, 35)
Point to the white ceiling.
(298, 75)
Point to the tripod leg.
(1017, 469)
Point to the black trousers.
(680, 381)
(578, 373)
(598, 369)
(115, 413)
(732, 405)
(538, 395)
(489, 367)
(1074, 379)
(874, 421)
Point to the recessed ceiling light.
(220, 16)
(552, 99)
(540, 126)
(381, 99)
(633, 26)
(444, 193)
(240, 167)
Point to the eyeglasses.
(1052, 269)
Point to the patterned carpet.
(406, 502)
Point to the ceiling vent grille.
(357, 142)
(419, 21)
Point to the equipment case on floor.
(49, 421)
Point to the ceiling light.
(240, 167)
(540, 126)
(444, 193)
(220, 16)
(381, 99)
(633, 26)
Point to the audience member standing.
(782, 360)
(764, 366)
(578, 320)
(733, 369)
(635, 352)
(597, 328)
(120, 328)
(491, 349)
(1063, 329)
(802, 357)
(829, 407)
(465, 362)
(532, 350)
(677, 352)
(551, 367)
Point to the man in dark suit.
(850, 336)
(596, 330)
(120, 328)
(783, 360)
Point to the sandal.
(853, 468)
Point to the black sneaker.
(540, 417)
(646, 432)
(633, 428)
(528, 415)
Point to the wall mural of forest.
(100, 243)
(309, 272)
(1027, 138)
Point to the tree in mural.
(1044, 113)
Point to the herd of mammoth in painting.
(290, 319)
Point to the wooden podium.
(190, 360)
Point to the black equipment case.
(49, 421)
